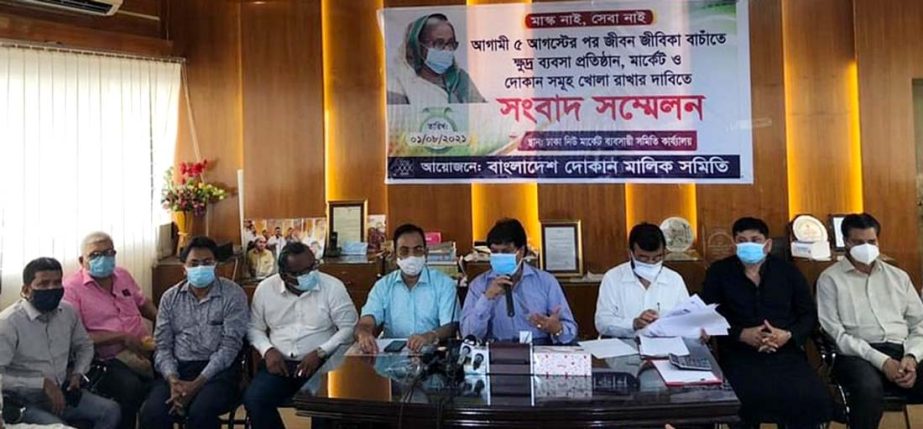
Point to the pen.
(658, 308)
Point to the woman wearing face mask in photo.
(425, 71)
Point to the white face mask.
(864, 253)
(647, 271)
(412, 265)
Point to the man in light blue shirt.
(539, 304)
(414, 302)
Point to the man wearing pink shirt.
(111, 306)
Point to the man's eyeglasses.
(97, 254)
(404, 252)
(313, 267)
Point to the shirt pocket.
(212, 332)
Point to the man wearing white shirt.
(874, 314)
(633, 294)
(299, 317)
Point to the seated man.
(415, 302)
(260, 260)
(45, 352)
(768, 304)
(200, 331)
(539, 305)
(633, 295)
(299, 317)
(111, 306)
(872, 311)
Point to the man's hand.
(416, 342)
(752, 337)
(550, 324)
(908, 372)
(308, 365)
(55, 396)
(275, 363)
(892, 370)
(774, 338)
(498, 287)
(646, 318)
(73, 382)
(366, 342)
(133, 344)
(188, 390)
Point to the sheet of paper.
(663, 347)
(609, 348)
(688, 319)
(674, 376)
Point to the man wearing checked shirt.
(414, 302)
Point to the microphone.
(465, 349)
(510, 310)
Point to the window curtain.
(84, 143)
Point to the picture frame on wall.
(562, 248)
(837, 240)
(347, 221)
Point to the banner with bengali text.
(646, 91)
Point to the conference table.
(397, 390)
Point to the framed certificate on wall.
(562, 248)
(347, 220)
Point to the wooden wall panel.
(354, 102)
(283, 108)
(889, 52)
(601, 210)
(207, 34)
(822, 123)
(19, 27)
(443, 208)
(767, 198)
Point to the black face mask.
(46, 300)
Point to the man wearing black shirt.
(769, 306)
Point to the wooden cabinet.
(358, 275)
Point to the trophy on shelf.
(680, 237)
(809, 238)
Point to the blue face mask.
(438, 60)
(201, 276)
(308, 282)
(102, 266)
(750, 253)
(503, 264)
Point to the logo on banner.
(438, 132)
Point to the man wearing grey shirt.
(199, 333)
(874, 314)
(37, 336)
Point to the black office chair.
(231, 420)
(826, 347)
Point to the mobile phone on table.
(395, 346)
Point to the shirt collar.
(423, 280)
(847, 266)
(88, 280)
(33, 312)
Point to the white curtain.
(84, 142)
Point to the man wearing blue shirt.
(414, 302)
(539, 305)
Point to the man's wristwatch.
(321, 353)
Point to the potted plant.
(188, 196)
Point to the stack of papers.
(673, 376)
(610, 348)
(663, 347)
(688, 319)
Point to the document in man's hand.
(688, 319)
(673, 376)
